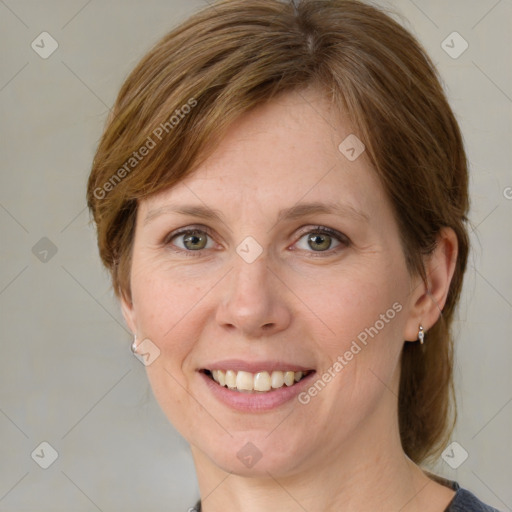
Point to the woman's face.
(292, 262)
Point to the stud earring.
(421, 334)
(134, 345)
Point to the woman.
(281, 197)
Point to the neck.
(369, 471)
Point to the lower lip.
(257, 401)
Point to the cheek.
(164, 302)
(168, 311)
(364, 311)
(356, 303)
(162, 293)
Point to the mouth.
(261, 382)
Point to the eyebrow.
(295, 212)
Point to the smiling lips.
(262, 381)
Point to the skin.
(342, 450)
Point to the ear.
(428, 300)
(128, 313)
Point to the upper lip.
(255, 366)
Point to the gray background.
(67, 374)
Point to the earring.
(421, 334)
(134, 345)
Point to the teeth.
(277, 379)
(261, 381)
(289, 378)
(230, 378)
(244, 381)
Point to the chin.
(255, 455)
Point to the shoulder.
(464, 501)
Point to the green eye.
(191, 240)
(322, 239)
(319, 242)
(195, 240)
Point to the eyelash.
(340, 237)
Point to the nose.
(253, 301)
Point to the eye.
(322, 239)
(190, 240)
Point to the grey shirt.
(463, 501)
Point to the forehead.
(279, 154)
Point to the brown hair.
(236, 55)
